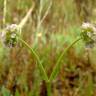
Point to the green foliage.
(59, 28)
(21, 5)
(5, 91)
(17, 93)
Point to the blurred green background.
(19, 74)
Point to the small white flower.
(85, 25)
(89, 33)
(9, 35)
(13, 35)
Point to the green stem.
(48, 88)
(57, 67)
(42, 70)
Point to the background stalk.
(4, 12)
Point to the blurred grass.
(18, 70)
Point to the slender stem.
(57, 67)
(4, 12)
(48, 88)
(42, 70)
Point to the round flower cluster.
(89, 34)
(9, 35)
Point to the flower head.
(9, 35)
(88, 34)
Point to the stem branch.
(42, 70)
(57, 67)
